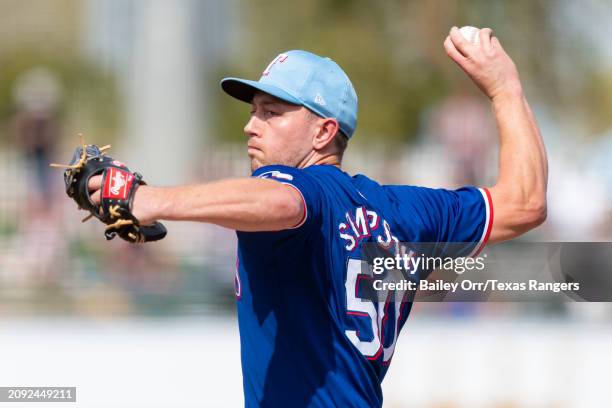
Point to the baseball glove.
(116, 195)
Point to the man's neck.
(319, 159)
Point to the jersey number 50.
(376, 312)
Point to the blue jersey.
(306, 340)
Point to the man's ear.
(327, 131)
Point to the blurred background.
(155, 325)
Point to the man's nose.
(252, 126)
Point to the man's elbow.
(534, 213)
(516, 214)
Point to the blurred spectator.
(464, 125)
(37, 94)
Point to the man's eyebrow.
(267, 103)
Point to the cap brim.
(244, 90)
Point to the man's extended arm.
(243, 204)
(519, 196)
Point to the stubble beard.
(256, 164)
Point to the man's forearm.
(247, 204)
(522, 157)
(523, 166)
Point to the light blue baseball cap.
(303, 78)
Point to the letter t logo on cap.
(279, 58)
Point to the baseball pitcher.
(307, 337)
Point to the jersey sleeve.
(304, 183)
(460, 220)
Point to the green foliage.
(596, 98)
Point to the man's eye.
(271, 113)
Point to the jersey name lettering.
(360, 223)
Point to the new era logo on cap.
(306, 79)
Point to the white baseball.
(471, 34)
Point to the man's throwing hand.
(486, 62)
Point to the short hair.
(340, 143)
